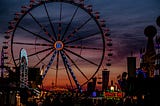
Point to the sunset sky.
(126, 20)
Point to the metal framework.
(23, 69)
(60, 34)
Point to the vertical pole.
(2, 62)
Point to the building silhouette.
(131, 67)
(105, 79)
(150, 54)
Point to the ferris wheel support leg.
(49, 64)
(71, 72)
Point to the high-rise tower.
(157, 62)
(150, 54)
(105, 79)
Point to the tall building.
(105, 79)
(131, 67)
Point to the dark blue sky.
(125, 18)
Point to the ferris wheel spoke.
(49, 64)
(70, 22)
(43, 58)
(50, 22)
(82, 38)
(36, 44)
(37, 35)
(42, 27)
(76, 65)
(57, 67)
(76, 29)
(36, 53)
(71, 71)
(81, 57)
(40, 52)
(59, 24)
(84, 47)
(67, 71)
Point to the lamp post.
(112, 88)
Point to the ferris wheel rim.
(85, 10)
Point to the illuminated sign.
(114, 94)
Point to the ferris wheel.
(65, 36)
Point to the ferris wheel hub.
(58, 45)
